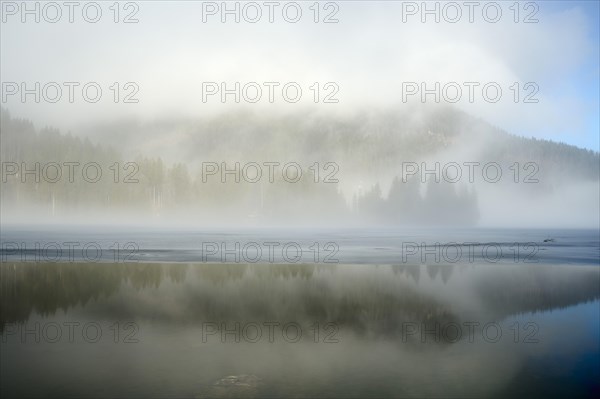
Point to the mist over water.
(424, 166)
(462, 125)
(299, 199)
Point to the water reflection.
(349, 294)
(386, 336)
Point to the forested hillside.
(357, 178)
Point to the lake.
(354, 313)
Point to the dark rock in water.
(549, 240)
(242, 380)
(233, 386)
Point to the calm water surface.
(166, 327)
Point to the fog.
(434, 166)
(369, 52)
(365, 133)
(299, 199)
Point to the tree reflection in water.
(361, 299)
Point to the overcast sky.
(369, 53)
